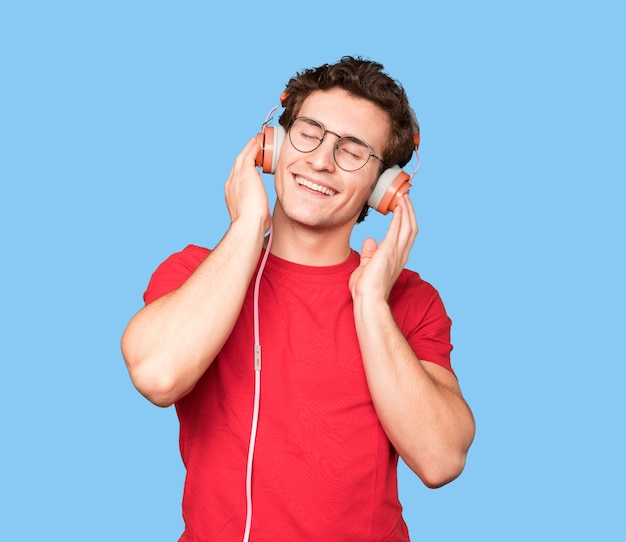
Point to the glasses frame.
(339, 139)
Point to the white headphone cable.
(257, 390)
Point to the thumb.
(369, 247)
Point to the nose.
(323, 158)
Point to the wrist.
(249, 230)
(370, 303)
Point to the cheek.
(372, 185)
(278, 181)
(282, 178)
(287, 153)
(281, 172)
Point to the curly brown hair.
(365, 79)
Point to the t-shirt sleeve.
(174, 271)
(420, 313)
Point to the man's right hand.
(246, 198)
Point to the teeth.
(316, 187)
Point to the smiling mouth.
(315, 187)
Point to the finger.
(247, 156)
(407, 231)
(411, 210)
(368, 250)
(244, 190)
(395, 224)
(408, 226)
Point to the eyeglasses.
(350, 153)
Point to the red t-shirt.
(323, 467)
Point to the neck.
(306, 245)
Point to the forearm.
(172, 341)
(419, 404)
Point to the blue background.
(119, 122)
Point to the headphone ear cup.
(392, 184)
(271, 140)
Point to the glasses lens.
(351, 154)
(306, 134)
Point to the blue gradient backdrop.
(119, 122)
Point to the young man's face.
(311, 188)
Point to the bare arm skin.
(419, 404)
(169, 344)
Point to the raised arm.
(419, 404)
(170, 343)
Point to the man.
(356, 349)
